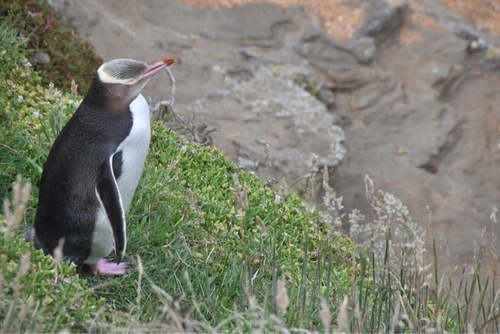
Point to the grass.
(214, 248)
(208, 238)
(402, 286)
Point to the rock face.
(421, 118)
(275, 111)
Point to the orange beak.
(156, 66)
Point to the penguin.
(94, 166)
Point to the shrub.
(71, 58)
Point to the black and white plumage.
(94, 167)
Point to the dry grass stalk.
(267, 156)
(343, 318)
(311, 181)
(369, 190)
(282, 300)
(14, 211)
(325, 315)
(139, 280)
(11, 314)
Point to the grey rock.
(41, 57)
(363, 48)
(326, 96)
(337, 62)
(383, 19)
(81, 14)
(278, 112)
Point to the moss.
(70, 57)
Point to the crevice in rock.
(452, 139)
(451, 85)
(383, 20)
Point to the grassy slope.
(186, 221)
(197, 234)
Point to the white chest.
(134, 150)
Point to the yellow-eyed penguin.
(94, 167)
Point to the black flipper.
(109, 195)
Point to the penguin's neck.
(112, 98)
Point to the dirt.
(485, 14)
(341, 17)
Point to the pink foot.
(109, 268)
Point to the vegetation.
(214, 248)
(70, 57)
(38, 293)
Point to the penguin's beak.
(156, 66)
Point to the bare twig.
(171, 98)
(164, 109)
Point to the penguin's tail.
(30, 236)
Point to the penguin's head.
(124, 79)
